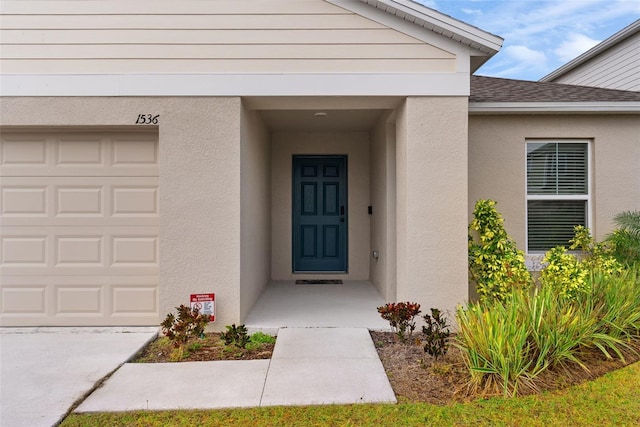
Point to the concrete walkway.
(309, 366)
(44, 371)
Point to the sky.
(540, 36)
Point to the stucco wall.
(432, 201)
(255, 210)
(497, 163)
(199, 163)
(355, 145)
(382, 270)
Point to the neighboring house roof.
(491, 94)
(608, 43)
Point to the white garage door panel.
(97, 201)
(78, 154)
(79, 300)
(79, 250)
(79, 225)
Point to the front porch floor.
(285, 304)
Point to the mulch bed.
(414, 375)
(211, 347)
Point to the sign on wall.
(205, 303)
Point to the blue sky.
(540, 36)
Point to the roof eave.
(617, 107)
(437, 22)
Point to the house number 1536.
(147, 119)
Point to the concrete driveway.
(44, 371)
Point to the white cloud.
(573, 46)
(525, 55)
(472, 11)
(514, 60)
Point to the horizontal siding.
(239, 36)
(186, 66)
(616, 68)
(383, 36)
(168, 7)
(283, 51)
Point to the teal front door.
(320, 214)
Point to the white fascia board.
(382, 84)
(553, 107)
(427, 18)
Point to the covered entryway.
(80, 226)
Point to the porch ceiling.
(321, 120)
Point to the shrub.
(626, 238)
(563, 274)
(436, 334)
(595, 256)
(190, 323)
(507, 345)
(235, 335)
(401, 317)
(494, 339)
(495, 263)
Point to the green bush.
(495, 264)
(436, 334)
(507, 344)
(626, 239)
(564, 273)
(235, 335)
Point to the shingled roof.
(492, 89)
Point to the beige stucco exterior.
(199, 185)
(497, 163)
(431, 162)
(235, 101)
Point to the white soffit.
(429, 19)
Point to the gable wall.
(221, 36)
(616, 68)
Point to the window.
(557, 192)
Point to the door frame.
(344, 157)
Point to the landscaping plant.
(235, 335)
(257, 339)
(495, 263)
(626, 239)
(595, 257)
(585, 301)
(190, 323)
(436, 334)
(401, 317)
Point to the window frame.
(560, 197)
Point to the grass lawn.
(612, 400)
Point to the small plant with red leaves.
(401, 317)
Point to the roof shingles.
(492, 89)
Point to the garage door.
(79, 229)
